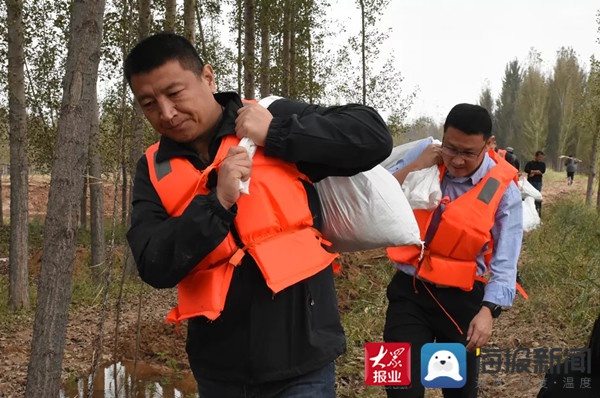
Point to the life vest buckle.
(236, 259)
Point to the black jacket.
(259, 336)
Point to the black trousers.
(415, 317)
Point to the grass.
(361, 294)
(561, 266)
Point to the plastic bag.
(422, 188)
(531, 218)
(366, 211)
(528, 190)
(399, 151)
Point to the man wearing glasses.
(452, 291)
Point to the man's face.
(539, 158)
(463, 153)
(178, 103)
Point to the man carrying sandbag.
(255, 283)
(440, 294)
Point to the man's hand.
(480, 329)
(236, 166)
(432, 155)
(253, 122)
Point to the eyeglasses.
(465, 155)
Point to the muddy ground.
(159, 344)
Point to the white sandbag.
(531, 218)
(528, 190)
(422, 188)
(399, 151)
(366, 211)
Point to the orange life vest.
(502, 153)
(463, 231)
(274, 223)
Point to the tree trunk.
(285, 51)
(589, 193)
(19, 169)
(293, 84)
(55, 281)
(1, 204)
(239, 45)
(249, 45)
(170, 15)
(311, 71)
(202, 43)
(363, 52)
(137, 132)
(124, 185)
(265, 50)
(83, 205)
(189, 25)
(96, 201)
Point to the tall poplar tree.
(565, 91)
(506, 106)
(55, 281)
(249, 47)
(19, 167)
(532, 110)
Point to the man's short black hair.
(158, 49)
(470, 119)
(539, 153)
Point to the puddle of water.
(116, 381)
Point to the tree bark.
(265, 50)
(363, 36)
(170, 15)
(96, 200)
(83, 205)
(589, 193)
(293, 84)
(55, 281)
(137, 132)
(240, 58)
(189, 23)
(249, 45)
(1, 204)
(19, 168)
(286, 48)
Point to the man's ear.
(491, 142)
(208, 74)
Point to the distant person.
(255, 282)
(476, 230)
(535, 170)
(571, 164)
(512, 158)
